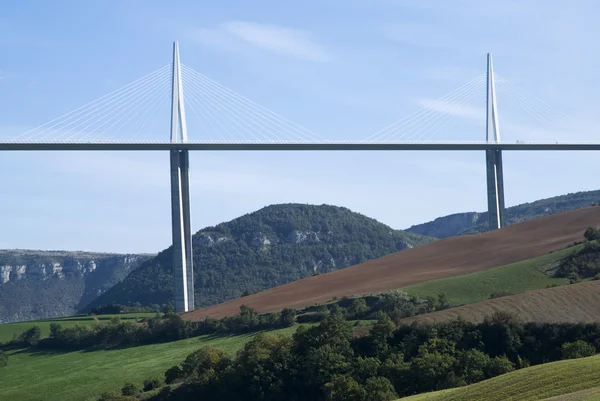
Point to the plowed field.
(445, 258)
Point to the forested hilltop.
(270, 247)
(473, 222)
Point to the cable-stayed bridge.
(124, 120)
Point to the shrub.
(173, 373)
(31, 336)
(577, 349)
(130, 389)
(592, 234)
(151, 384)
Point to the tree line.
(330, 362)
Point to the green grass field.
(531, 274)
(535, 383)
(81, 376)
(8, 330)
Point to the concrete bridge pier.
(183, 258)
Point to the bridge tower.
(183, 266)
(495, 180)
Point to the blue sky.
(344, 70)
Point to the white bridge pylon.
(183, 258)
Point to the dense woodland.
(330, 362)
(273, 246)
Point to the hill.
(270, 247)
(45, 284)
(473, 222)
(575, 303)
(529, 384)
(445, 258)
(515, 278)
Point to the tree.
(130, 389)
(151, 384)
(383, 328)
(204, 365)
(344, 388)
(592, 234)
(577, 349)
(358, 306)
(379, 389)
(32, 336)
(169, 308)
(287, 317)
(173, 373)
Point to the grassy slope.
(8, 330)
(81, 376)
(534, 383)
(515, 278)
(585, 395)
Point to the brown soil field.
(575, 303)
(444, 258)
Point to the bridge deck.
(291, 146)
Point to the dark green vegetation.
(585, 263)
(473, 222)
(273, 246)
(108, 334)
(328, 362)
(7, 331)
(42, 284)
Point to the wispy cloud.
(451, 108)
(276, 39)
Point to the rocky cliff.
(44, 284)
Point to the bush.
(31, 337)
(577, 349)
(173, 373)
(592, 234)
(151, 384)
(130, 389)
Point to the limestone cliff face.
(44, 284)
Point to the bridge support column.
(493, 158)
(183, 263)
(495, 189)
(183, 260)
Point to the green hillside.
(531, 274)
(273, 246)
(81, 376)
(473, 222)
(534, 383)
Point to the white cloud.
(273, 38)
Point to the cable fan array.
(424, 123)
(122, 114)
(549, 117)
(232, 117)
